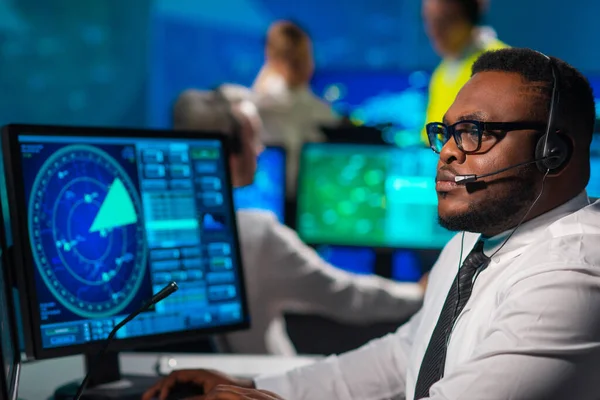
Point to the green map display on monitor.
(361, 195)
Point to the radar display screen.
(113, 220)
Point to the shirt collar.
(529, 231)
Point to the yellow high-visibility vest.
(447, 80)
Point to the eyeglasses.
(474, 136)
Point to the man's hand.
(205, 379)
(225, 392)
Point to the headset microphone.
(464, 179)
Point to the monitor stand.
(107, 383)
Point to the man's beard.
(499, 212)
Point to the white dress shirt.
(530, 330)
(284, 274)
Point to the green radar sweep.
(116, 210)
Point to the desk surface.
(39, 379)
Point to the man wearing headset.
(282, 273)
(512, 308)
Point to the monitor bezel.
(22, 246)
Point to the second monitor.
(377, 196)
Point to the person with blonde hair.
(289, 58)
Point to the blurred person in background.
(454, 31)
(281, 272)
(291, 112)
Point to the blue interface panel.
(373, 196)
(268, 190)
(113, 220)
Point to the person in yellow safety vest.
(452, 27)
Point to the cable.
(462, 243)
(525, 216)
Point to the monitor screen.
(111, 220)
(268, 190)
(358, 260)
(379, 196)
(406, 266)
(378, 97)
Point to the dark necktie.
(434, 361)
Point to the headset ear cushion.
(557, 148)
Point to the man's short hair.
(576, 109)
(285, 40)
(203, 111)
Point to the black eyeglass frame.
(450, 131)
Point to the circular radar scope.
(86, 231)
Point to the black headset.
(552, 151)
(235, 136)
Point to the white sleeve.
(543, 343)
(376, 371)
(301, 281)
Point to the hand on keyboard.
(204, 380)
(185, 391)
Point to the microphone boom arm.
(463, 179)
(164, 293)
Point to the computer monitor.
(406, 266)
(403, 265)
(375, 196)
(268, 190)
(374, 98)
(9, 347)
(104, 218)
(358, 260)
